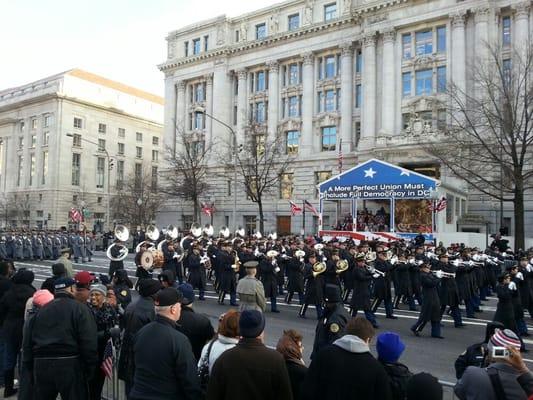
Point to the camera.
(500, 352)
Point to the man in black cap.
(314, 288)
(448, 292)
(362, 279)
(382, 284)
(250, 289)
(227, 281)
(331, 325)
(137, 315)
(165, 367)
(196, 327)
(262, 374)
(60, 346)
(430, 311)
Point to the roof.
(376, 179)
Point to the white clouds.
(120, 39)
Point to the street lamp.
(109, 167)
(234, 145)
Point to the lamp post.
(234, 147)
(109, 167)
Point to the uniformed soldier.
(314, 288)
(250, 289)
(3, 247)
(27, 249)
(196, 269)
(331, 325)
(122, 287)
(269, 269)
(382, 285)
(430, 311)
(228, 283)
(18, 247)
(362, 279)
(449, 294)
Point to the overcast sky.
(122, 40)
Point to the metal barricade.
(447, 388)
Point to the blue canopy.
(375, 179)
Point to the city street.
(421, 354)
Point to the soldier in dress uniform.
(449, 295)
(47, 246)
(89, 247)
(331, 325)
(27, 249)
(228, 284)
(313, 288)
(196, 268)
(56, 246)
(382, 284)
(37, 247)
(362, 279)
(295, 275)
(250, 289)
(3, 249)
(402, 287)
(10, 245)
(430, 311)
(18, 247)
(122, 287)
(269, 269)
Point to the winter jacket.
(13, 311)
(197, 328)
(220, 345)
(398, 374)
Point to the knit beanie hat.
(503, 338)
(42, 297)
(58, 269)
(389, 346)
(423, 386)
(97, 287)
(251, 323)
(149, 287)
(24, 276)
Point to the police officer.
(250, 289)
(331, 325)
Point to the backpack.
(399, 375)
(203, 369)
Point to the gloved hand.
(512, 286)
(376, 275)
(529, 268)
(520, 276)
(438, 274)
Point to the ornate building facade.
(357, 77)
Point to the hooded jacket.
(336, 364)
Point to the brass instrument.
(444, 274)
(318, 268)
(121, 233)
(240, 232)
(272, 254)
(153, 234)
(236, 266)
(370, 256)
(341, 266)
(208, 230)
(300, 254)
(273, 236)
(224, 232)
(196, 230)
(373, 270)
(257, 235)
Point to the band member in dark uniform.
(196, 269)
(228, 279)
(402, 286)
(331, 325)
(362, 279)
(171, 258)
(430, 311)
(314, 288)
(115, 265)
(269, 268)
(449, 295)
(382, 285)
(295, 274)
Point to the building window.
(406, 84)
(260, 31)
(406, 46)
(260, 112)
(228, 187)
(78, 123)
(441, 39)
(46, 138)
(506, 31)
(76, 165)
(449, 208)
(424, 43)
(186, 48)
(76, 140)
(139, 136)
(47, 121)
(154, 179)
(44, 167)
(330, 67)
(138, 174)
(237, 36)
(320, 177)
(199, 120)
(138, 152)
(34, 123)
(196, 46)
(155, 155)
(75, 199)
(100, 172)
(121, 132)
(506, 71)
(330, 101)
(102, 128)
(294, 70)
(33, 140)
(32, 168)
(330, 11)
(358, 95)
(99, 200)
(441, 79)
(260, 83)
(294, 22)
(199, 92)
(155, 141)
(441, 119)
(292, 142)
(121, 149)
(329, 138)
(101, 144)
(357, 133)
(206, 42)
(358, 62)
(286, 186)
(120, 174)
(259, 144)
(250, 223)
(22, 126)
(21, 142)
(424, 84)
(294, 106)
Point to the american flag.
(310, 207)
(440, 205)
(109, 356)
(208, 209)
(295, 210)
(340, 156)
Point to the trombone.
(373, 270)
(443, 274)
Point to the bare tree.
(187, 173)
(137, 199)
(261, 161)
(489, 140)
(8, 209)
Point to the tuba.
(258, 235)
(196, 230)
(121, 233)
(224, 232)
(341, 266)
(153, 234)
(318, 268)
(240, 232)
(208, 230)
(171, 235)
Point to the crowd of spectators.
(367, 221)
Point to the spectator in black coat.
(6, 270)
(196, 327)
(137, 315)
(424, 386)
(336, 363)
(58, 271)
(390, 347)
(12, 312)
(290, 346)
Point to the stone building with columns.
(358, 77)
(69, 140)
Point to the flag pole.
(303, 218)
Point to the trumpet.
(373, 270)
(442, 274)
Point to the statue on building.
(244, 32)
(347, 7)
(221, 34)
(308, 12)
(274, 23)
(171, 49)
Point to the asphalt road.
(421, 354)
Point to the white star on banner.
(404, 172)
(369, 173)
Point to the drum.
(147, 259)
(159, 258)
